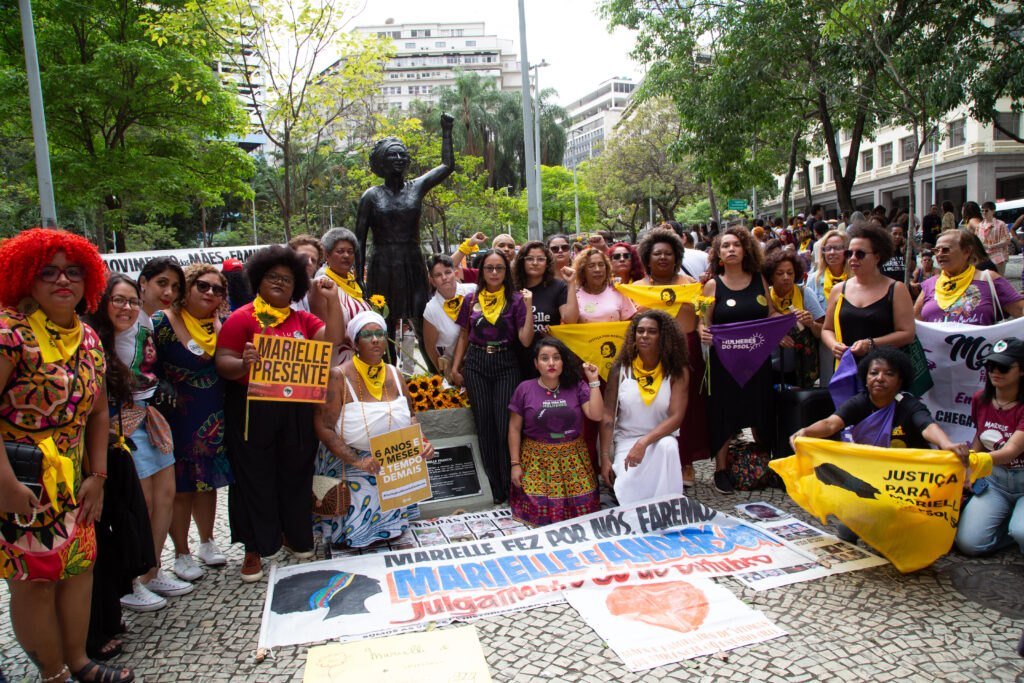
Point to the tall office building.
(593, 117)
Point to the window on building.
(470, 43)
(885, 155)
(437, 60)
(846, 136)
(471, 59)
(414, 90)
(819, 175)
(488, 59)
(440, 43)
(867, 160)
(1011, 122)
(907, 148)
(453, 59)
(458, 32)
(955, 132)
(929, 145)
(410, 46)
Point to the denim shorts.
(148, 459)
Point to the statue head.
(388, 156)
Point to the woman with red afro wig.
(21, 258)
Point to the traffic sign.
(737, 205)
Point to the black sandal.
(101, 673)
(111, 649)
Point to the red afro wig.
(21, 258)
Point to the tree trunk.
(908, 249)
(99, 232)
(202, 221)
(714, 206)
(286, 199)
(805, 171)
(843, 180)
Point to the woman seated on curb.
(994, 519)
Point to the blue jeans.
(994, 517)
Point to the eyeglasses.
(859, 253)
(942, 250)
(494, 269)
(203, 286)
(559, 248)
(535, 259)
(833, 249)
(621, 257)
(997, 367)
(73, 273)
(125, 302)
(372, 334)
(274, 278)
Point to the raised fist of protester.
(568, 273)
(527, 300)
(447, 121)
(590, 372)
(477, 239)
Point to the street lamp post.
(536, 142)
(534, 230)
(47, 206)
(575, 193)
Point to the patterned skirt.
(558, 482)
(365, 522)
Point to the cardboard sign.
(403, 478)
(290, 369)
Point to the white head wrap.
(361, 320)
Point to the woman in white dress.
(440, 331)
(339, 245)
(365, 398)
(644, 404)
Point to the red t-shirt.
(995, 427)
(241, 326)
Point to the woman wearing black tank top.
(874, 310)
(740, 294)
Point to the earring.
(721, 262)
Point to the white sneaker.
(210, 554)
(141, 599)
(168, 586)
(186, 569)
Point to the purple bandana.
(743, 347)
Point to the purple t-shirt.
(550, 417)
(504, 331)
(974, 306)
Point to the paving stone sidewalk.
(871, 625)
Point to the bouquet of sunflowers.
(429, 393)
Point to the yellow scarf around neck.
(795, 298)
(491, 304)
(649, 381)
(347, 283)
(950, 288)
(202, 331)
(831, 280)
(453, 306)
(267, 315)
(373, 376)
(56, 343)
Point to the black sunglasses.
(621, 257)
(859, 253)
(559, 248)
(998, 367)
(203, 286)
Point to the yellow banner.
(290, 369)
(668, 298)
(403, 478)
(596, 343)
(904, 502)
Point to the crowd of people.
(135, 391)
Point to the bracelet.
(595, 384)
(871, 343)
(101, 475)
(515, 464)
(467, 248)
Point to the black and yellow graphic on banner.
(290, 369)
(904, 502)
(596, 343)
(668, 298)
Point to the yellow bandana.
(805, 245)
(492, 304)
(467, 248)
(373, 376)
(55, 343)
(668, 298)
(950, 288)
(649, 381)
(454, 305)
(202, 331)
(56, 469)
(347, 283)
(795, 298)
(266, 315)
(831, 280)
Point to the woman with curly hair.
(596, 297)
(644, 405)
(54, 399)
(740, 294)
(186, 338)
(626, 264)
(271, 444)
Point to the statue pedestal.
(457, 477)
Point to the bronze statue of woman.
(391, 213)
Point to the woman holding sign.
(271, 444)
(366, 398)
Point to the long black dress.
(731, 407)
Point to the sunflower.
(436, 381)
(378, 301)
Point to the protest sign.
(744, 347)
(403, 478)
(666, 620)
(290, 369)
(404, 590)
(668, 298)
(956, 355)
(131, 263)
(595, 343)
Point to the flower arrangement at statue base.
(429, 393)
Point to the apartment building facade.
(593, 117)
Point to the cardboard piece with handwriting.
(452, 654)
(403, 478)
(290, 369)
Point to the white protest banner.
(405, 590)
(131, 263)
(956, 354)
(669, 619)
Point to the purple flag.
(743, 347)
(845, 383)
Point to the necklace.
(383, 396)
(1003, 406)
(553, 393)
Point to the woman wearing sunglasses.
(554, 299)
(186, 338)
(962, 293)
(991, 520)
(272, 444)
(830, 269)
(625, 263)
(561, 252)
(868, 310)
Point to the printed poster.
(403, 478)
(290, 369)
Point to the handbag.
(331, 496)
(27, 462)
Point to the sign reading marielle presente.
(290, 369)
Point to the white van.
(1009, 212)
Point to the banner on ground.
(391, 592)
(131, 263)
(667, 619)
(956, 356)
(744, 347)
(403, 478)
(595, 343)
(668, 298)
(290, 369)
(904, 502)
